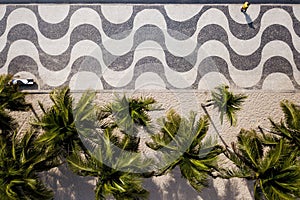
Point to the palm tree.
(128, 113)
(77, 132)
(112, 154)
(10, 99)
(112, 168)
(20, 158)
(61, 122)
(227, 104)
(20, 161)
(7, 123)
(275, 169)
(128, 116)
(289, 128)
(10, 96)
(181, 142)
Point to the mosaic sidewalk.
(111, 47)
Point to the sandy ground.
(256, 110)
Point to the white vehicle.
(22, 82)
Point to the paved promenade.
(151, 1)
(190, 46)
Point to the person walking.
(245, 7)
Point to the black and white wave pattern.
(152, 46)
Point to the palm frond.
(289, 127)
(282, 179)
(275, 168)
(209, 150)
(61, 123)
(271, 158)
(20, 159)
(199, 131)
(195, 172)
(181, 141)
(113, 177)
(292, 114)
(10, 99)
(83, 164)
(10, 96)
(129, 143)
(7, 123)
(122, 186)
(268, 139)
(250, 146)
(170, 126)
(84, 109)
(128, 113)
(227, 103)
(242, 172)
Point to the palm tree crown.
(181, 138)
(275, 169)
(289, 128)
(227, 103)
(20, 161)
(61, 122)
(21, 158)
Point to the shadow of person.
(249, 20)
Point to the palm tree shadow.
(250, 184)
(170, 186)
(179, 188)
(68, 186)
(153, 189)
(249, 20)
(231, 191)
(210, 193)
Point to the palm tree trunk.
(215, 128)
(34, 112)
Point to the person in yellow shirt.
(245, 7)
